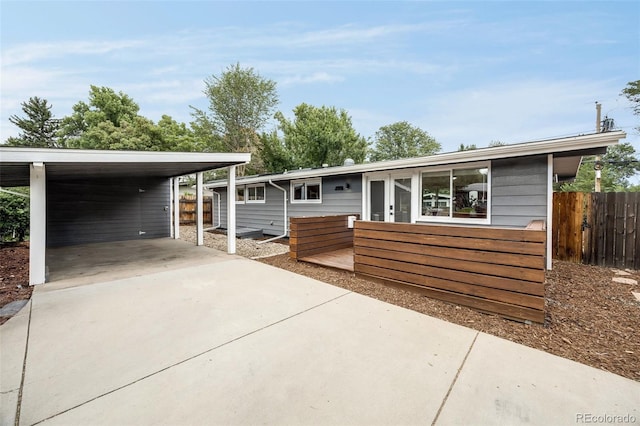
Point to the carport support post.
(231, 210)
(176, 208)
(38, 224)
(199, 215)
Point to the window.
(255, 193)
(306, 191)
(239, 194)
(460, 194)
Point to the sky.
(466, 72)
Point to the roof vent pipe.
(349, 162)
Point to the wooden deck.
(339, 259)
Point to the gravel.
(244, 246)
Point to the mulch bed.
(589, 318)
(14, 274)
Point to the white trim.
(171, 203)
(176, 208)
(247, 195)
(244, 194)
(231, 211)
(199, 211)
(549, 223)
(450, 218)
(46, 155)
(306, 182)
(544, 147)
(37, 223)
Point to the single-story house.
(502, 186)
(89, 196)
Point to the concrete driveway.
(219, 339)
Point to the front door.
(389, 198)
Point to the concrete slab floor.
(90, 263)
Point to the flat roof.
(568, 152)
(74, 164)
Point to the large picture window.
(306, 191)
(460, 193)
(255, 193)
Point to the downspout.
(284, 193)
(219, 217)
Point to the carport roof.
(72, 164)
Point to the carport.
(93, 196)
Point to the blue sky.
(466, 72)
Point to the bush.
(14, 215)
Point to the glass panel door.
(376, 200)
(401, 207)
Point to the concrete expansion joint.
(455, 379)
(24, 366)
(180, 362)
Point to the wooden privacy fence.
(500, 271)
(599, 228)
(188, 210)
(319, 234)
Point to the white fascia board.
(544, 147)
(47, 155)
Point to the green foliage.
(241, 101)
(632, 93)
(402, 140)
(464, 147)
(315, 137)
(618, 165)
(497, 143)
(274, 155)
(39, 128)
(14, 215)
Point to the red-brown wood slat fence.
(495, 270)
(318, 234)
(597, 228)
(188, 210)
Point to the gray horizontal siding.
(269, 216)
(518, 191)
(89, 211)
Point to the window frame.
(451, 218)
(254, 187)
(306, 183)
(244, 194)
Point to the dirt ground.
(14, 274)
(590, 318)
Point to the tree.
(39, 128)
(241, 102)
(618, 165)
(14, 215)
(632, 93)
(108, 121)
(316, 136)
(402, 140)
(496, 143)
(464, 147)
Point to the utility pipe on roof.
(219, 217)
(284, 192)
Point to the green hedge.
(14, 215)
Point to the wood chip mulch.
(589, 318)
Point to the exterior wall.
(269, 216)
(91, 211)
(518, 191)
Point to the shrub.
(14, 215)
